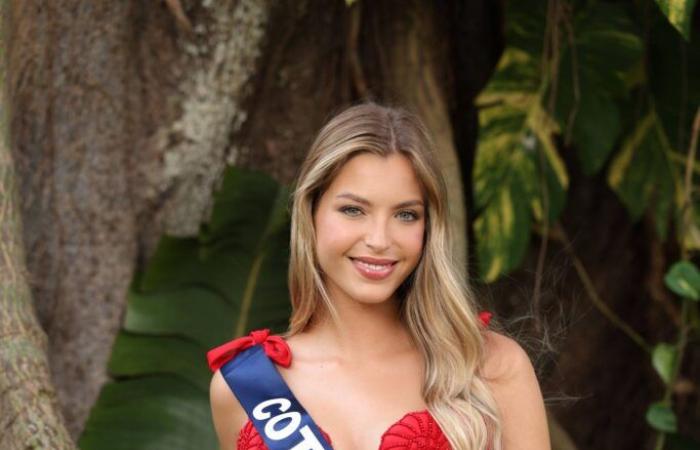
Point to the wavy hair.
(436, 303)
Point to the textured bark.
(70, 128)
(29, 414)
(122, 125)
(302, 79)
(195, 147)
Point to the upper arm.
(227, 413)
(509, 372)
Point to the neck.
(363, 330)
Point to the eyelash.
(345, 209)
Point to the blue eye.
(408, 216)
(404, 216)
(351, 211)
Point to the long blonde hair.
(437, 304)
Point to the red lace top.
(415, 430)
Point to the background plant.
(195, 294)
(616, 84)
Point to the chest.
(356, 404)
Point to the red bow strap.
(274, 346)
(485, 318)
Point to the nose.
(377, 236)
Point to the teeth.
(375, 267)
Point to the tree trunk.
(123, 113)
(30, 417)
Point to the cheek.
(413, 241)
(331, 235)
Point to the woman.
(388, 349)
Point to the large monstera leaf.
(195, 293)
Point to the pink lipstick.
(373, 268)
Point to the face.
(369, 228)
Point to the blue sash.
(277, 415)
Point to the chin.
(371, 299)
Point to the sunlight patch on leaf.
(679, 14)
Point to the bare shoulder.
(227, 413)
(504, 358)
(509, 373)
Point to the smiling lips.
(373, 268)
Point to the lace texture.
(416, 430)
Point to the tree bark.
(302, 79)
(122, 125)
(30, 417)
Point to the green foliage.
(518, 171)
(594, 91)
(614, 82)
(673, 76)
(679, 14)
(194, 294)
(511, 184)
(684, 279)
(150, 412)
(662, 418)
(643, 176)
(593, 74)
(664, 358)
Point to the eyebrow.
(364, 201)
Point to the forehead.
(371, 175)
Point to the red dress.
(415, 430)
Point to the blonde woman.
(385, 349)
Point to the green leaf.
(503, 229)
(642, 174)
(684, 279)
(194, 294)
(552, 176)
(662, 418)
(592, 75)
(195, 313)
(674, 79)
(139, 355)
(155, 413)
(690, 235)
(607, 46)
(679, 14)
(525, 23)
(516, 164)
(595, 124)
(664, 360)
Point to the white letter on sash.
(288, 429)
(310, 442)
(260, 414)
